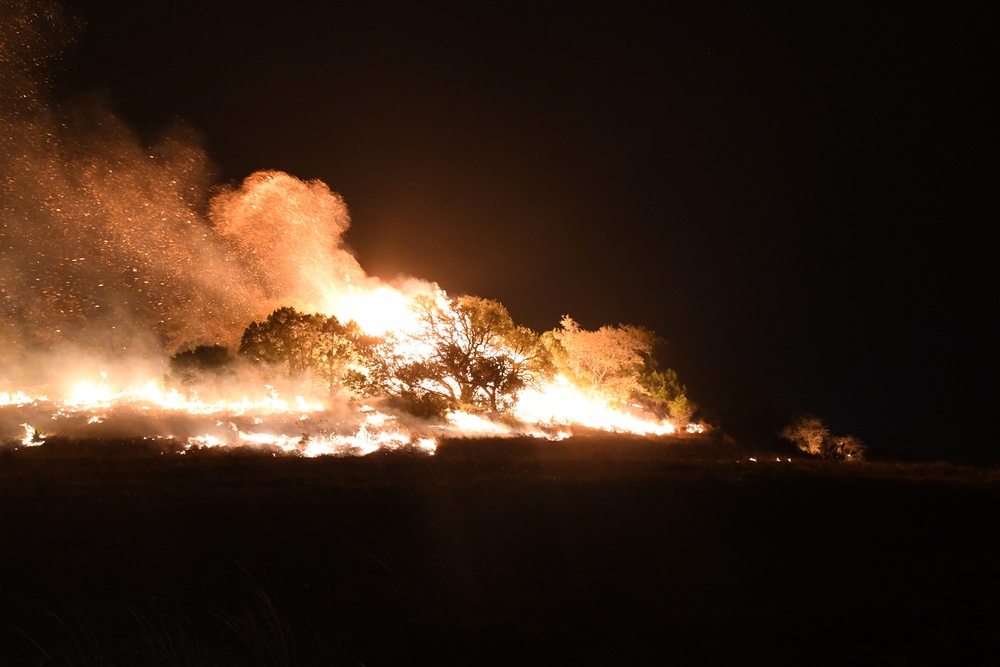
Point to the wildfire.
(378, 431)
(17, 398)
(308, 425)
(377, 311)
(113, 255)
(560, 403)
(86, 396)
(31, 437)
(304, 423)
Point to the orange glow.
(86, 396)
(182, 279)
(307, 425)
(559, 403)
(377, 311)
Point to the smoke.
(287, 236)
(113, 247)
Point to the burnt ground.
(591, 551)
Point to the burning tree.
(465, 353)
(663, 392)
(619, 364)
(316, 346)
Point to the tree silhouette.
(313, 346)
(466, 353)
(188, 365)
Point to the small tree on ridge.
(812, 436)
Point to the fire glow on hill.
(137, 300)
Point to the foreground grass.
(594, 551)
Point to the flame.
(285, 238)
(17, 398)
(308, 426)
(272, 420)
(560, 403)
(378, 431)
(305, 425)
(376, 311)
(475, 425)
(85, 396)
(32, 438)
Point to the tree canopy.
(609, 359)
(619, 363)
(314, 346)
(466, 353)
(189, 365)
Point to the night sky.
(794, 199)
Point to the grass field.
(599, 550)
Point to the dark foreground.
(593, 552)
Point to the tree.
(812, 436)
(809, 434)
(313, 346)
(851, 448)
(609, 360)
(336, 358)
(466, 353)
(663, 392)
(620, 364)
(188, 365)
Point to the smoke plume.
(112, 245)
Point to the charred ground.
(597, 550)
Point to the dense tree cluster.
(463, 353)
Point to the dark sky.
(794, 199)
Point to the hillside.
(596, 550)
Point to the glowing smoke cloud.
(102, 236)
(287, 235)
(104, 240)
